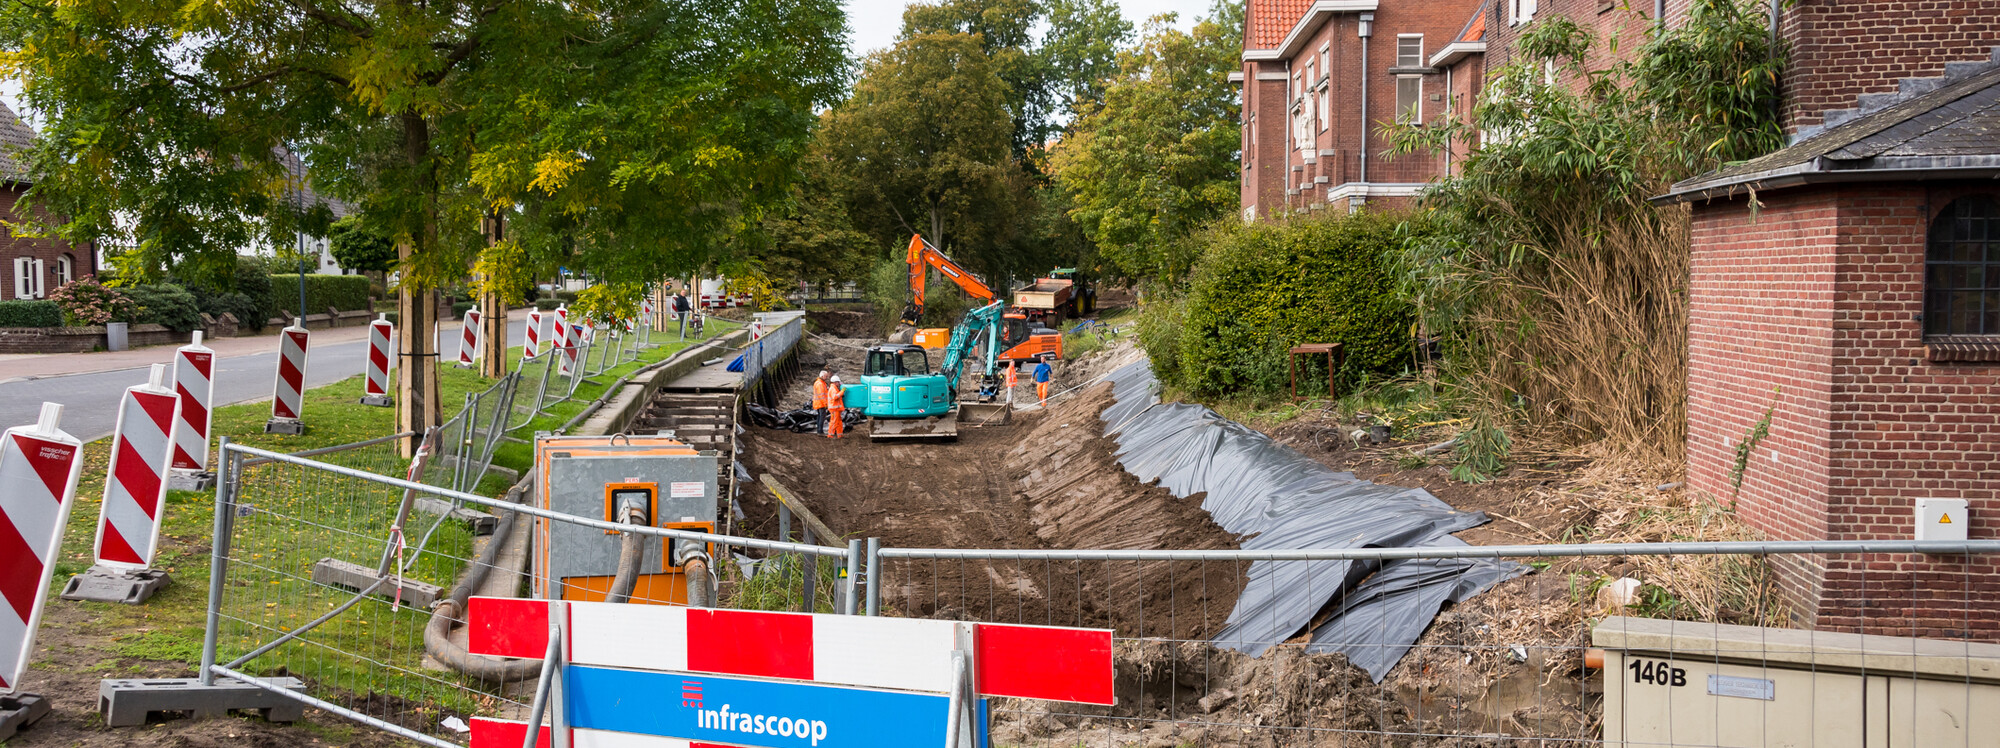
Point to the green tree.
(924, 146)
(1158, 158)
(1080, 50)
(606, 128)
(356, 247)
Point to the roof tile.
(1271, 20)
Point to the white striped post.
(468, 339)
(288, 389)
(194, 383)
(135, 485)
(533, 346)
(39, 467)
(381, 335)
(565, 342)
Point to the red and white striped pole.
(135, 497)
(381, 335)
(39, 467)
(533, 346)
(468, 339)
(288, 391)
(565, 345)
(194, 383)
(756, 330)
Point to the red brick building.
(1858, 303)
(29, 268)
(1321, 78)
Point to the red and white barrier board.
(536, 324)
(468, 339)
(39, 466)
(1031, 662)
(381, 337)
(288, 393)
(564, 341)
(135, 484)
(194, 383)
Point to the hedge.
(342, 292)
(30, 313)
(1260, 289)
(166, 305)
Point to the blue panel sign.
(741, 711)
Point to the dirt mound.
(1215, 694)
(846, 323)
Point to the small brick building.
(29, 268)
(1850, 286)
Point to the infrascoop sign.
(654, 675)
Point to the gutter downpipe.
(1367, 30)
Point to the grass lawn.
(292, 519)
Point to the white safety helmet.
(836, 377)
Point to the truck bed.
(1046, 293)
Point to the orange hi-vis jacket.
(836, 396)
(819, 394)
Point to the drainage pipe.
(437, 634)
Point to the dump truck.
(1064, 293)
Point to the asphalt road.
(90, 400)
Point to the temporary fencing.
(315, 575)
(1570, 653)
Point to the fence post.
(874, 589)
(853, 575)
(218, 556)
(809, 563)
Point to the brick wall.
(47, 251)
(1812, 305)
(1841, 50)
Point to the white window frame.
(1325, 105)
(1521, 11)
(65, 269)
(29, 282)
(1416, 108)
(1400, 38)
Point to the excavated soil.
(846, 323)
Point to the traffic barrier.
(288, 390)
(39, 467)
(469, 339)
(194, 381)
(381, 338)
(533, 346)
(135, 494)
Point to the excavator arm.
(922, 257)
(980, 327)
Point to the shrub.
(31, 313)
(459, 308)
(84, 301)
(247, 311)
(1160, 335)
(342, 292)
(1260, 289)
(547, 304)
(165, 305)
(242, 294)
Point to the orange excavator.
(1021, 340)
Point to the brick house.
(1858, 301)
(1320, 78)
(29, 268)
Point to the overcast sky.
(872, 25)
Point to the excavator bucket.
(983, 414)
(944, 427)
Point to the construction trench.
(1051, 478)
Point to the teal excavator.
(905, 399)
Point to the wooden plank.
(822, 535)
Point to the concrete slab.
(105, 585)
(126, 702)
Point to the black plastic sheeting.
(1279, 499)
(799, 421)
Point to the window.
(1409, 98)
(1410, 51)
(1520, 11)
(1325, 60)
(65, 270)
(28, 281)
(1962, 269)
(915, 362)
(1325, 107)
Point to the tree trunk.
(937, 229)
(493, 310)
(419, 405)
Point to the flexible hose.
(700, 593)
(631, 553)
(437, 633)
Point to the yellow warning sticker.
(1944, 519)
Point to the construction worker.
(1012, 380)
(819, 402)
(836, 408)
(1043, 373)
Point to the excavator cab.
(900, 384)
